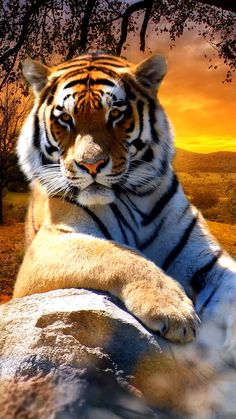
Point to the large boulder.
(73, 353)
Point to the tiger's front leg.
(65, 259)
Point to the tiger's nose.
(93, 167)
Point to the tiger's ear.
(151, 71)
(35, 73)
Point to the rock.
(77, 353)
(61, 352)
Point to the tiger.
(107, 211)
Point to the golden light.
(201, 107)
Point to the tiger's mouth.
(94, 194)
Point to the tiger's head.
(96, 127)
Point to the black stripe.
(143, 193)
(153, 236)
(136, 209)
(179, 247)
(129, 210)
(103, 62)
(36, 140)
(148, 155)
(128, 111)
(87, 69)
(138, 144)
(199, 279)
(101, 56)
(117, 216)
(45, 160)
(99, 223)
(51, 94)
(163, 201)
(90, 82)
(131, 127)
(164, 167)
(53, 136)
(129, 93)
(109, 72)
(120, 217)
(140, 114)
(133, 84)
(186, 208)
(152, 120)
(73, 66)
(82, 81)
(51, 149)
(208, 300)
(48, 93)
(75, 73)
(105, 82)
(135, 163)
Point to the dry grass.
(11, 254)
(226, 235)
(213, 194)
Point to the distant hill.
(190, 162)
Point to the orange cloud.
(201, 107)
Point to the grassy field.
(11, 255)
(14, 207)
(212, 193)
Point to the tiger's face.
(92, 122)
(91, 128)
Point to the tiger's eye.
(115, 113)
(65, 117)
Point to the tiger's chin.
(95, 195)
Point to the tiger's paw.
(164, 309)
(175, 324)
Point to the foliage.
(11, 255)
(13, 111)
(212, 193)
(204, 200)
(65, 28)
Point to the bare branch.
(82, 42)
(145, 24)
(9, 72)
(24, 31)
(125, 21)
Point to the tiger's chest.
(120, 223)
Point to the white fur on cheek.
(28, 155)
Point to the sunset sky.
(202, 108)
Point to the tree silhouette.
(65, 28)
(12, 113)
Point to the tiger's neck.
(166, 187)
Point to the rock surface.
(62, 350)
(73, 353)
